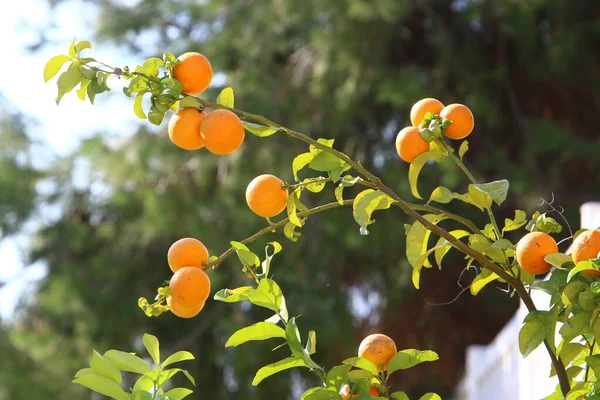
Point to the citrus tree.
(161, 85)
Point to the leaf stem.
(587, 367)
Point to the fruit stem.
(278, 225)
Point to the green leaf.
(144, 383)
(225, 98)
(72, 52)
(366, 203)
(594, 363)
(190, 377)
(363, 364)
(292, 336)
(416, 244)
(415, 168)
(582, 266)
(151, 344)
(247, 258)
(514, 224)
(271, 369)
(266, 264)
(150, 66)
(189, 102)
(102, 385)
(441, 195)
(155, 116)
(178, 357)
(67, 82)
(399, 396)
(81, 92)
(476, 197)
(497, 190)
(258, 331)
(325, 162)
(535, 329)
(301, 161)
(576, 325)
(267, 294)
(503, 244)
(558, 259)
(90, 93)
(337, 376)
(137, 106)
(464, 147)
(481, 280)
(568, 353)
(54, 65)
(104, 367)
(84, 371)
(289, 230)
(127, 361)
(82, 45)
(233, 295)
(320, 393)
(430, 396)
(443, 246)
(338, 192)
(311, 343)
(314, 185)
(409, 358)
(178, 393)
(259, 130)
(292, 208)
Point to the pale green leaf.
(82, 45)
(54, 65)
(267, 294)
(366, 203)
(416, 166)
(137, 106)
(441, 251)
(178, 393)
(151, 344)
(363, 364)
(127, 361)
(441, 195)
(104, 367)
(514, 224)
(247, 258)
(67, 82)
(430, 396)
(259, 130)
(399, 396)
(233, 295)
(535, 329)
(226, 97)
(144, 383)
(84, 371)
(311, 343)
(102, 385)
(481, 280)
(409, 358)
(81, 92)
(464, 147)
(271, 369)
(300, 162)
(178, 357)
(497, 190)
(186, 102)
(320, 393)
(258, 331)
(416, 244)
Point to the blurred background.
(91, 198)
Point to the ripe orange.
(194, 72)
(266, 196)
(345, 392)
(190, 287)
(462, 119)
(585, 247)
(531, 250)
(422, 107)
(184, 312)
(187, 252)
(223, 132)
(409, 144)
(184, 128)
(377, 348)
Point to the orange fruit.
(531, 250)
(462, 119)
(190, 287)
(187, 252)
(587, 246)
(184, 128)
(377, 348)
(184, 312)
(223, 132)
(194, 72)
(409, 144)
(266, 196)
(422, 107)
(345, 392)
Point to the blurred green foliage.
(343, 69)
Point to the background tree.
(348, 70)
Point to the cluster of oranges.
(379, 349)
(534, 246)
(410, 143)
(221, 131)
(190, 286)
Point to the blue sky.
(58, 128)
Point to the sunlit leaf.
(267, 294)
(366, 202)
(497, 190)
(258, 331)
(151, 344)
(233, 295)
(226, 97)
(271, 369)
(127, 361)
(178, 357)
(464, 147)
(535, 329)
(409, 358)
(416, 166)
(54, 65)
(102, 385)
(104, 367)
(259, 130)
